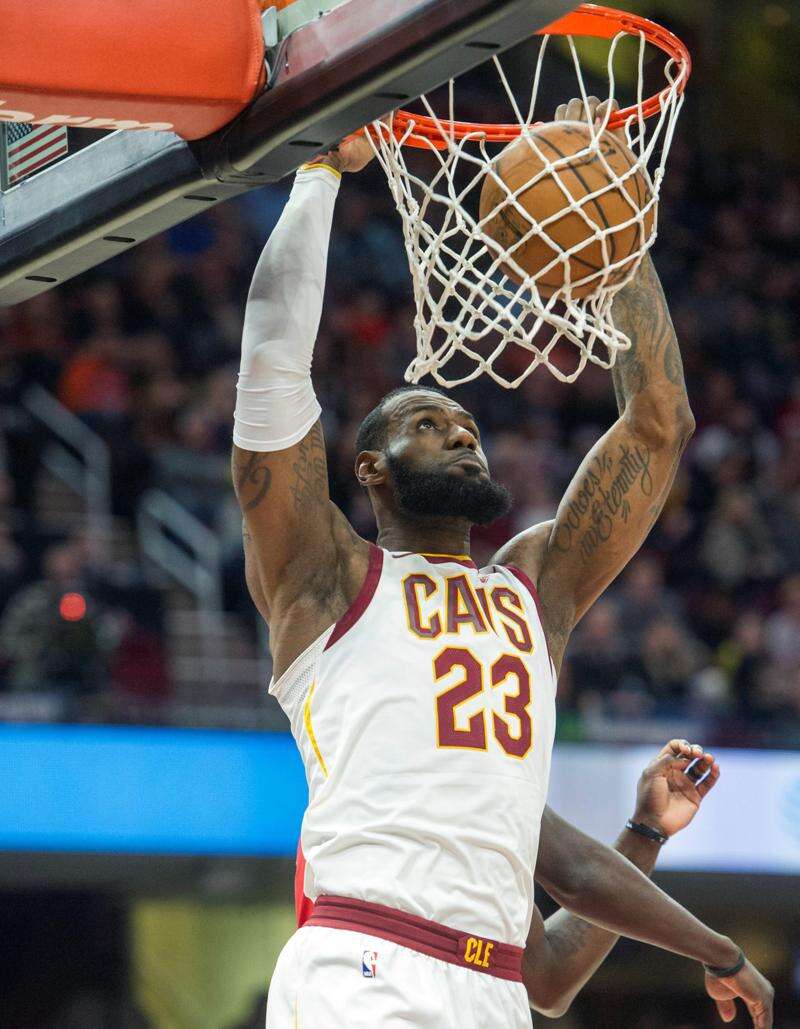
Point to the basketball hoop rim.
(422, 131)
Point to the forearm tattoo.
(615, 476)
(654, 359)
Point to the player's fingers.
(699, 768)
(678, 747)
(663, 764)
(761, 1015)
(593, 103)
(710, 780)
(675, 748)
(607, 107)
(727, 1010)
(575, 110)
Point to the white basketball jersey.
(425, 718)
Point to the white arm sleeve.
(275, 402)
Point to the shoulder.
(315, 595)
(526, 553)
(526, 550)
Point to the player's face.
(436, 461)
(435, 433)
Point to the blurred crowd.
(702, 631)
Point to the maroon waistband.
(438, 941)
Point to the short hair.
(373, 432)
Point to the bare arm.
(606, 890)
(295, 539)
(303, 562)
(566, 951)
(622, 484)
(563, 953)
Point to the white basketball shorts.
(330, 978)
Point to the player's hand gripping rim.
(594, 111)
(351, 155)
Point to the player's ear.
(370, 468)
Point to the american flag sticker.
(29, 148)
(369, 964)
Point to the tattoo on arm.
(640, 310)
(619, 394)
(673, 365)
(570, 937)
(629, 373)
(252, 479)
(310, 472)
(603, 500)
(307, 484)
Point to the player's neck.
(426, 536)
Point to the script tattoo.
(310, 471)
(252, 479)
(602, 499)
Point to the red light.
(72, 607)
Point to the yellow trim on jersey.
(310, 729)
(321, 164)
(458, 557)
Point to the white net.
(478, 310)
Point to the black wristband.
(725, 973)
(647, 832)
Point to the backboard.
(326, 76)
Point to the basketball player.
(421, 689)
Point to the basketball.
(583, 174)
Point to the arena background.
(150, 796)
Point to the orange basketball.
(582, 175)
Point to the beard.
(444, 495)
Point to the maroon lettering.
(483, 599)
(412, 585)
(512, 618)
(448, 734)
(516, 704)
(462, 606)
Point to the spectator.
(644, 597)
(599, 652)
(51, 631)
(11, 565)
(192, 468)
(736, 546)
(668, 659)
